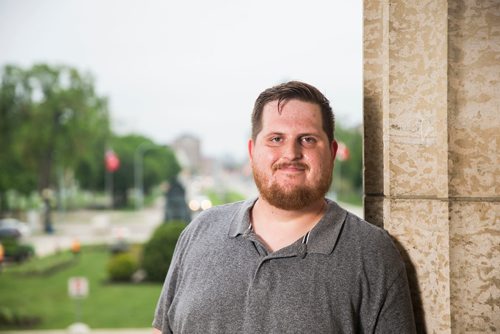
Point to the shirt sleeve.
(396, 315)
(160, 320)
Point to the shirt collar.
(322, 238)
(240, 222)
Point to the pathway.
(97, 227)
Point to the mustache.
(298, 165)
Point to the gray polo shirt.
(345, 276)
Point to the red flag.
(342, 152)
(112, 162)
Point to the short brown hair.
(293, 90)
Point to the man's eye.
(276, 139)
(308, 140)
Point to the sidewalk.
(96, 227)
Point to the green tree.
(159, 164)
(14, 109)
(52, 121)
(348, 178)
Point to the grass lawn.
(31, 291)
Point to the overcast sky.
(174, 67)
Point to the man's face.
(292, 159)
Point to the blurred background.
(119, 116)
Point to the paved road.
(96, 227)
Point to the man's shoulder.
(356, 226)
(216, 218)
(364, 229)
(369, 240)
(219, 212)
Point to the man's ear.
(250, 149)
(333, 149)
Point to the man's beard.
(296, 198)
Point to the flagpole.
(111, 192)
(106, 181)
(112, 163)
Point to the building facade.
(431, 138)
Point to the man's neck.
(279, 228)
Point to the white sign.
(78, 287)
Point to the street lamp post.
(138, 173)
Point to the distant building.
(188, 151)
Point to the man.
(289, 261)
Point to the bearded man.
(291, 260)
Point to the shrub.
(122, 266)
(15, 251)
(118, 247)
(12, 319)
(158, 251)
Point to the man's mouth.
(291, 167)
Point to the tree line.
(55, 130)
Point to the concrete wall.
(432, 132)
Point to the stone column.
(431, 126)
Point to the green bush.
(13, 319)
(15, 251)
(158, 251)
(121, 267)
(45, 266)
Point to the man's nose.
(292, 150)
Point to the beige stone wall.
(474, 164)
(432, 129)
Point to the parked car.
(9, 226)
(9, 233)
(12, 232)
